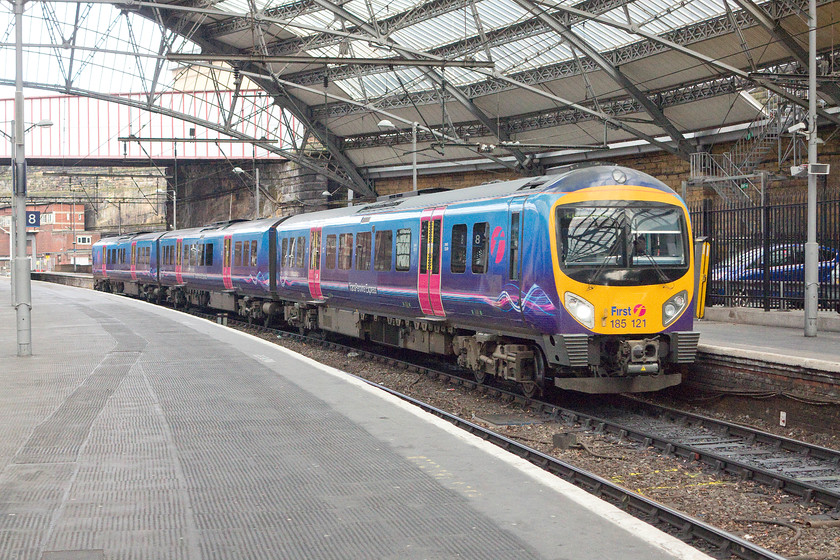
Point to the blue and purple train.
(582, 280)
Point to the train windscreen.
(622, 244)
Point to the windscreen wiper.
(603, 265)
(656, 267)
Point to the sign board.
(33, 219)
(818, 168)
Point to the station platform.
(772, 336)
(134, 431)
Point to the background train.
(582, 280)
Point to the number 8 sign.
(33, 219)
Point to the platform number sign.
(33, 219)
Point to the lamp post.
(16, 172)
(22, 280)
(256, 178)
(811, 246)
(385, 123)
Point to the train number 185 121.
(622, 323)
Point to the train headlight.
(580, 309)
(672, 308)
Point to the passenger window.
(237, 252)
(403, 249)
(133, 254)
(330, 251)
(459, 249)
(208, 254)
(254, 253)
(284, 248)
(300, 251)
(383, 251)
(479, 255)
(363, 251)
(345, 251)
(513, 274)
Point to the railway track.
(705, 536)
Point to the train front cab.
(623, 265)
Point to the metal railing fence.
(742, 235)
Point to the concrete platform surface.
(784, 345)
(137, 432)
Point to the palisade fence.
(740, 236)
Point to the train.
(582, 280)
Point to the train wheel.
(480, 376)
(534, 388)
(530, 389)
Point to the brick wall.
(213, 192)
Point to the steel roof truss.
(685, 148)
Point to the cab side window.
(479, 247)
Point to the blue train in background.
(582, 280)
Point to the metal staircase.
(735, 175)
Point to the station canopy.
(346, 86)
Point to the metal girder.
(416, 15)
(551, 118)
(284, 12)
(693, 33)
(491, 126)
(774, 27)
(659, 118)
(434, 76)
(700, 31)
(345, 172)
(701, 57)
(501, 36)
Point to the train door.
(133, 261)
(226, 275)
(514, 260)
(179, 251)
(315, 264)
(428, 270)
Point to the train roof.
(126, 237)
(563, 181)
(233, 226)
